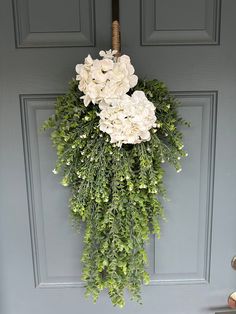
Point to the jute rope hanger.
(116, 27)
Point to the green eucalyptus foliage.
(115, 191)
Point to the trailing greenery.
(115, 191)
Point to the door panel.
(188, 44)
(53, 23)
(56, 247)
(182, 254)
(182, 22)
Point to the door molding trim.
(84, 36)
(32, 102)
(151, 35)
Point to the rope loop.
(116, 42)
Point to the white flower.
(128, 119)
(108, 54)
(105, 79)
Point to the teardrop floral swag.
(113, 133)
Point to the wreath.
(113, 133)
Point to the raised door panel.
(182, 255)
(182, 22)
(53, 23)
(56, 248)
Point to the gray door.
(190, 44)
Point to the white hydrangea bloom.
(108, 54)
(128, 119)
(105, 79)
